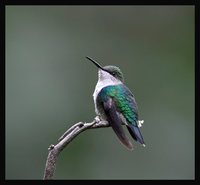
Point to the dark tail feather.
(136, 134)
(121, 135)
(116, 122)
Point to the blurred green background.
(49, 87)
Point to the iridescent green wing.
(119, 98)
(106, 98)
(125, 101)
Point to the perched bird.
(115, 103)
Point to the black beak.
(95, 63)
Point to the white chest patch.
(105, 79)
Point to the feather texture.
(119, 99)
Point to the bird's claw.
(97, 119)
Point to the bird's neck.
(104, 83)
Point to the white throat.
(105, 79)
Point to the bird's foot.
(140, 122)
(97, 119)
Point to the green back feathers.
(124, 100)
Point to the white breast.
(105, 79)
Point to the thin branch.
(64, 140)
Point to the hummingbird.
(115, 103)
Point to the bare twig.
(64, 140)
